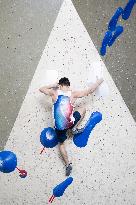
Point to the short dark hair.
(64, 82)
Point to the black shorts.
(61, 134)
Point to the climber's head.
(64, 83)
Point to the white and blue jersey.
(63, 111)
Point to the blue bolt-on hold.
(8, 161)
(59, 189)
(106, 39)
(114, 19)
(128, 9)
(81, 139)
(117, 33)
(48, 138)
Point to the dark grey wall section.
(25, 26)
(121, 57)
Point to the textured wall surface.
(120, 58)
(103, 171)
(24, 30)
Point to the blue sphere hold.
(48, 138)
(8, 161)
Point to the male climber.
(64, 115)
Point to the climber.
(66, 117)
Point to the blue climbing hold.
(59, 190)
(128, 9)
(81, 139)
(117, 33)
(48, 138)
(106, 39)
(8, 161)
(114, 19)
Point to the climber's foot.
(68, 169)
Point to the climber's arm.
(48, 90)
(88, 91)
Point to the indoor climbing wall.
(104, 170)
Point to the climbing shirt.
(63, 111)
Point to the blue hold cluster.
(114, 30)
(81, 139)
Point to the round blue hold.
(48, 138)
(8, 161)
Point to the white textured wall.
(103, 171)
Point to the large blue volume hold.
(114, 19)
(59, 189)
(128, 9)
(8, 161)
(81, 139)
(48, 138)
